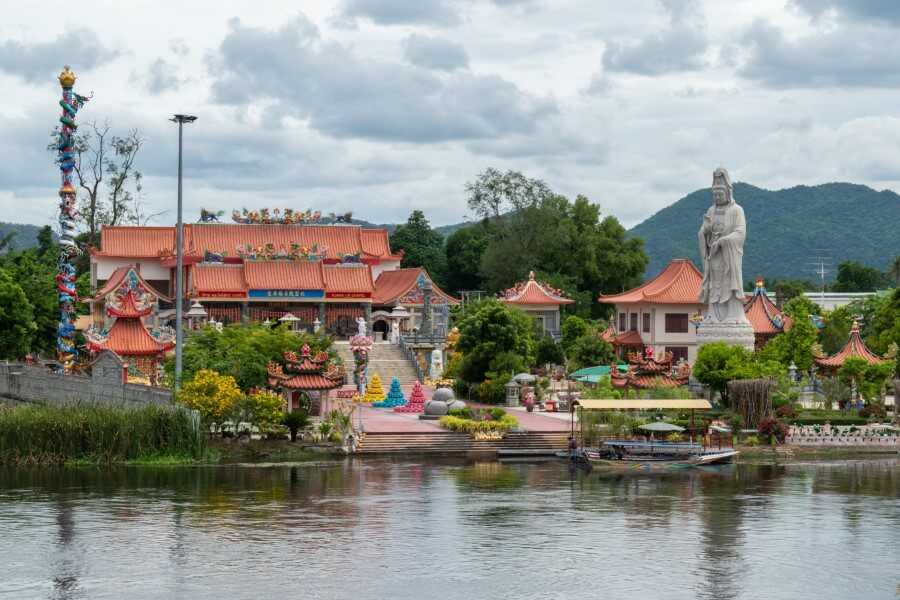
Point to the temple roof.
(763, 314)
(221, 278)
(532, 291)
(116, 279)
(153, 242)
(305, 372)
(128, 337)
(854, 347)
(678, 283)
(392, 285)
(126, 294)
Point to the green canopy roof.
(594, 374)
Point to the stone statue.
(721, 239)
(395, 331)
(361, 327)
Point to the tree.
(464, 249)
(212, 395)
(590, 350)
(836, 328)
(795, 344)
(422, 246)
(489, 330)
(855, 277)
(894, 271)
(573, 327)
(549, 352)
(17, 326)
(493, 193)
(261, 409)
(788, 289)
(853, 372)
(719, 363)
(108, 178)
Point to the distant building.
(540, 301)
(765, 317)
(833, 300)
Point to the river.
(426, 530)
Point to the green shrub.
(295, 421)
(751, 440)
(452, 423)
(38, 434)
(813, 420)
(462, 413)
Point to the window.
(646, 322)
(622, 324)
(678, 353)
(676, 323)
(634, 326)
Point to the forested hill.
(786, 228)
(25, 235)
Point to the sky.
(381, 107)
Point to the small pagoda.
(765, 317)
(855, 347)
(539, 300)
(121, 311)
(311, 375)
(646, 371)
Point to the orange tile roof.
(534, 292)
(283, 275)
(350, 279)
(855, 346)
(146, 242)
(129, 337)
(391, 285)
(763, 315)
(678, 283)
(306, 382)
(629, 338)
(217, 278)
(115, 280)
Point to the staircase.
(387, 360)
(440, 443)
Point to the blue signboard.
(286, 294)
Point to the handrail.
(411, 356)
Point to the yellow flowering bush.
(212, 395)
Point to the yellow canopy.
(644, 404)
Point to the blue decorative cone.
(394, 398)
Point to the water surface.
(422, 530)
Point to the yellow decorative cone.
(374, 391)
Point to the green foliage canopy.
(422, 246)
(491, 334)
(17, 326)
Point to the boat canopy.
(649, 404)
(661, 426)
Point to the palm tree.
(894, 271)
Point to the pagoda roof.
(629, 338)
(118, 277)
(128, 295)
(393, 285)
(224, 278)
(763, 314)
(533, 292)
(678, 283)
(217, 278)
(154, 242)
(306, 372)
(855, 347)
(128, 337)
(306, 382)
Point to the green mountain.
(786, 228)
(25, 235)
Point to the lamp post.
(179, 258)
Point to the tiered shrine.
(313, 376)
(855, 347)
(646, 372)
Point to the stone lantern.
(512, 393)
(196, 316)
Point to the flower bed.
(487, 421)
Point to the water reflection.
(407, 529)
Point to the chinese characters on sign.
(287, 293)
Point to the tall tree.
(894, 271)
(855, 277)
(464, 249)
(422, 246)
(16, 319)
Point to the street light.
(179, 259)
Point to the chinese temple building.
(646, 372)
(658, 313)
(540, 301)
(251, 271)
(855, 347)
(314, 376)
(125, 321)
(765, 317)
(409, 288)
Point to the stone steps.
(387, 360)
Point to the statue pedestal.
(734, 333)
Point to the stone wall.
(105, 385)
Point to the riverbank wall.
(106, 385)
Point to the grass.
(92, 434)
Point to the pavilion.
(765, 317)
(540, 301)
(855, 347)
(313, 376)
(124, 313)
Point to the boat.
(655, 455)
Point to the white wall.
(385, 265)
(149, 268)
(657, 337)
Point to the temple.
(312, 376)
(765, 317)
(540, 301)
(326, 276)
(125, 321)
(855, 347)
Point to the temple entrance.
(381, 330)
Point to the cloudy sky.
(384, 106)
